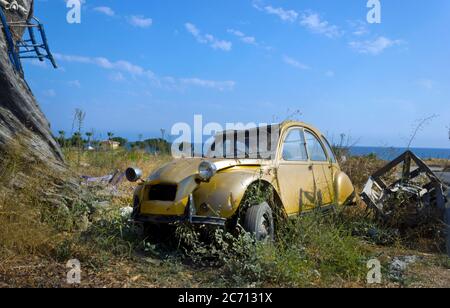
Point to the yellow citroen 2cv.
(291, 166)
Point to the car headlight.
(206, 171)
(133, 174)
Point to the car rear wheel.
(259, 222)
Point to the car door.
(322, 169)
(294, 173)
(333, 167)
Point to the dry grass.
(37, 238)
(439, 163)
(101, 163)
(22, 230)
(359, 169)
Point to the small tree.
(77, 124)
(62, 138)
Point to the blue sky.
(137, 66)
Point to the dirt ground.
(138, 269)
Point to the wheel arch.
(272, 198)
(228, 191)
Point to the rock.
(399, 265)
(153, 261)
(126, 212)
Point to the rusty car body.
(301, 172)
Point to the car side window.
(315, 149)
(294, 146)
(329, 149)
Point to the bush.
(309, 251)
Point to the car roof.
(288, 124)
(283, 126)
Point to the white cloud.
(102, 62)
(307, 19)
(140, 21)
(374, 47)
(244, 38)
(105, 10)
(359, 28)
(74, 83)
(218, 85)
(285, 15)
(209, 39)
(315, 24)
(167, 82)
(49, 93)
(294, 63)
(117, 76)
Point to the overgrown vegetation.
(311, 250)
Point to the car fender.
(345, 191)
(223, 195)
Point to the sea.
(392, 153)
(384, 153)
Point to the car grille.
(162, 193)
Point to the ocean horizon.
(390, 153)
(387, 153)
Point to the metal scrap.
(113, 180)
(410, 197)
(12, 5)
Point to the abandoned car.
(291, 166)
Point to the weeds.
(309, 251)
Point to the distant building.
(109, 145)
(89, 148)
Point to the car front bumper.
(189, 216)
(195, 220)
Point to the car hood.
(179, 169)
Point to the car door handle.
(310, 167)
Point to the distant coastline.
(391, 153)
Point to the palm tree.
(89, 136)
(62, 138)
(110, 135)
(77, 139)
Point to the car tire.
(259, 222)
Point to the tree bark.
(20, 115)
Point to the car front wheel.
(259, 222)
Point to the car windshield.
(256, 143)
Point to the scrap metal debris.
(112, 180)
(418, 191)
(408, 197)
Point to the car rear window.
(315, 149)
(329, 149)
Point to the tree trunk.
(20, 116)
